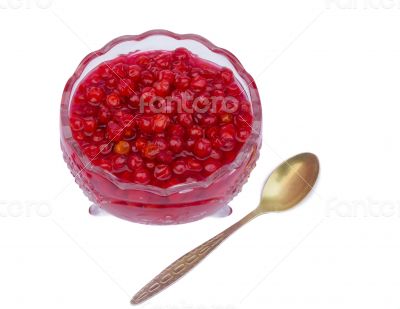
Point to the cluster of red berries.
(127, 118)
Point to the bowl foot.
(223, 212)
(95, 210)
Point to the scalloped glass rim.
(239, 71)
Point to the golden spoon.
(287, 185)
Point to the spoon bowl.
(289, 183)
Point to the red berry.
(146, 124)
(160, 123)
(134, 161)
(242, 134)
(106, 148)
(216, 154)
(98, 136)
(91, 151)
(233, 89)
(118, 163)
(103, 115)
(147, 78)
(140, 144)
(162, 87)
(226, 118)
(193, 165)
(245, 107)
(165, 156)
(103, 163)
(176, 144)
(126, 87)
(134, 101)
(162, 172)
(89, 126)
(120, 70)
(202, 148)
(150, 151)
(127, 121)
(142, 176)
(190, 144)
(160, 142)
(179, 167)
(226, 75)
(76, 124)
(243, 119)
(209, 120)
(182, 82)
(185, 119)
(150, 165)
(134, 72)
(176, 130)
(212, 132)
(198, 83)
(195, 132)
(211, 165)
(95, 95)
(114, 131)
(181, 53)
(166, 75)
(113, 100)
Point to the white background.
(328, 75)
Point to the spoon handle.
(188, 261)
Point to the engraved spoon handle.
(188, 261)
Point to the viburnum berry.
(150, 151)
(182, 82)
(114, 131)
(134, 161)
(185, 119)
(176, 130)
(211, 165)
(106, 148)
(160, 123)
(176, 144)
(113, 100)
(142, 176)
(91, 151)
(242, 134)
(226, 75)
(98, 136)
(118, 163)
(76, 124)
(162, 172)
(122, 147)
(95, 95)
(193, 165)
(179, 167)
(134, 72)
(162, 87)
(165, 156)
(202, 148)
(195, 131)
(198, 83)
(167, 75)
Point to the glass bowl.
(145, 203)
